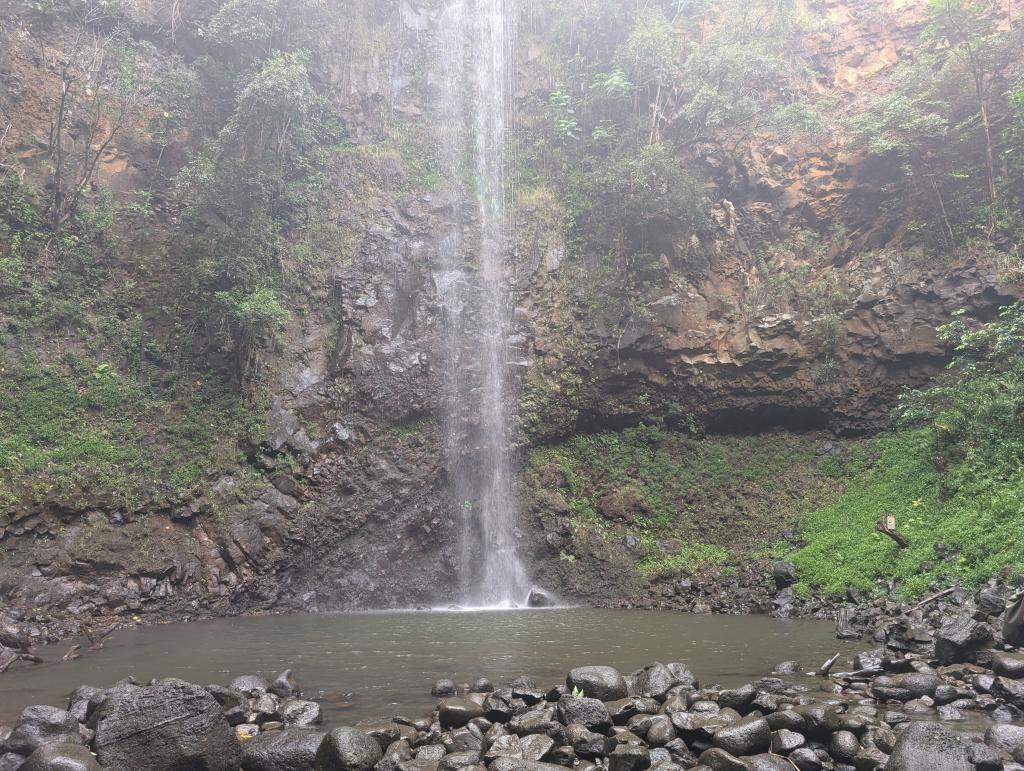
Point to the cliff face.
(345, 502)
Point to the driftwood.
(72, 653)
(887, 526)
(827, 666)
(933, 598)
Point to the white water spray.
(473, 287)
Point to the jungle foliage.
(952, 473)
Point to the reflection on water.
(364, 665)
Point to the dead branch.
(933, 598)
(827, 666)
(887, 526)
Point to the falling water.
(473, 287)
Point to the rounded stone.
(455, 713)
(347, 749)
(602, 683)
(746, 737)
(61, 756)
(172, 724)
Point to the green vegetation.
(692, 501)
(84, 435)
(952, 474)
(950, 125)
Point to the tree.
(969, 31)
(105, 80)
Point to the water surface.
(369, 665)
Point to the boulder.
(172, 724)
(629, 757)
(959, 639)
(655, 680)
(603, 683)
(250, 685)
(443, 688)
(299, 712)
(347, 749)
(39, 725)
(61, 756)
(284, 685)
(590, 713)
(929, 747)
(455, 712)
(912, 685)
(785, 741)
(1008, 665)
(516, 764)
(767, 762)
(11, 761)
(738, 699)
(718, 759)
(292, 749)
(749, 736)
(1005, 737)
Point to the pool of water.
(371, 665)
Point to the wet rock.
(515, 764)
(539, 599)
(984, 757)
(629, 757)
(508, 746)
(397, 753)
(61, 756)
(844, 746)
(746, 737)
(681, 674)
(805, 759)
(11, 761)
(590, 713)
(457, 760)
(912, 685)
(785, 741)
(784, 574)
(483, 685)
(284, 685)
(39, 725)
(737, 698)
(250, 685)
(718, 759)
(347, 749)
(929, 747)
(172, 724)
(443, 688)
(455, 713)
(787, 667)
(1011, 691)
(959, 639)
(1008, 665)
(602, 683)
(767, 762)
(78, 703)
(1005, 737)
(585, 743)
(299, 712)
(655, 680)
(536, 746)
(497, 708)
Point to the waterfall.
(473, 287)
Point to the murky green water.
(379, 664)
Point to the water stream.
(473, 288)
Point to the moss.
(716, 499)
(84, 434)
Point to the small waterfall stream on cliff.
(473, 287)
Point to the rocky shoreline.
(940, 691)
